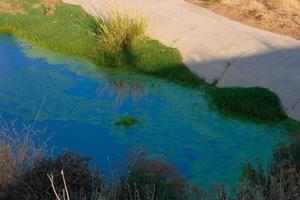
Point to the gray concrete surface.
(219, 49)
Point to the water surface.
(80, 103)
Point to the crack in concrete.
(294, 105)
(228, 64)
(192, 29)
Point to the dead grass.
(11, 8)
(18, 149)
(279, 16)
(8, 165)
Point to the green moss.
(127, 122)
(69, 30)
(255, 103)
(151, 57)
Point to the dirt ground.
(17, 6)
(11, 8)
(279, 16)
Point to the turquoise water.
(79, 104)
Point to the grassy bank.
(69, 30)
(256, 103)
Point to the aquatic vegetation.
(127, 122)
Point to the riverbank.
(69, 30)
(220, 50)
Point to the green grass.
(69, 30)
(151, 57)
(255, 103)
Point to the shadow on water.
(83, 102)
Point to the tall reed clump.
(118, 31)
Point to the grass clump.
(255, 103)
(127, 122)
(117, 33)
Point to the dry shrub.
(33, 183)
(151, 179)
(18, 149)
(280, 181)
(8, 165)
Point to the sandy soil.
(279, 16)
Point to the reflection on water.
(121, 89)
(82, 102)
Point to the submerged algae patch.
(127, 122)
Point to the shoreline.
(75, 38)
(220, 50)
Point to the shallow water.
(79, 104)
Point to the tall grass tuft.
(117, 32)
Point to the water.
(79, 104)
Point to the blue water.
(79, 104)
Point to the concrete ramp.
(219, 49)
